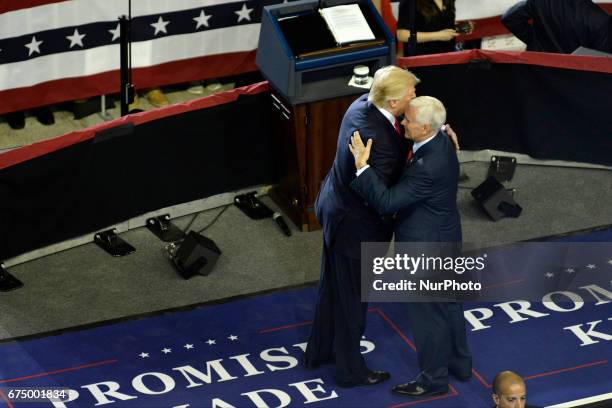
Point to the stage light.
(195, 255)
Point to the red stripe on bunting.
(68, 89)
(8, 5)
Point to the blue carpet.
(247, 353)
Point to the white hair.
(429, 111)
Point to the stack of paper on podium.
(347, 24)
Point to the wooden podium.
(306, 135)
(309, 74)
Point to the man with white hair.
(425, 203)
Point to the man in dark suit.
(509, 391)
(425, 203)
(560, 26)
(340, 316)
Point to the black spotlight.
(496, 201)
(195, 255)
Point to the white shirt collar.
(418, 145)
(387, 115)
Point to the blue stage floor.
(248, 352)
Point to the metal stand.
(125, 57)
(110, 242)
(502, 168)
(8, 281)
(252, 207)
(103, 113)
(164, 229)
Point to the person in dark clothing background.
(435, 25)
(560, 26)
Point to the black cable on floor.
(191, 222)
(214, 219)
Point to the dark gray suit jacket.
(424, 198)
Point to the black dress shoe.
(414, 389)
(16, 120)
(44, 116)
(373, 378)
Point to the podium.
(309, 75)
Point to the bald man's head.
(509, 390)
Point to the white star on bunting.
(591, 266)
(232, 337)
(33, 46)
(202, 20)
(116, 32)
(188, 346)
(211, 342)
(610, 261)
(166, 350)
(144, 355)
(244, 13)
(76, 38)
(160, 26)
(549, 275)
(570, 270)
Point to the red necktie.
(397, 127)
(410, 155)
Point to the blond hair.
(390, 83)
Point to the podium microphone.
(281, 223)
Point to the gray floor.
(84, 285)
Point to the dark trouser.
(441, 341)
(340, 318)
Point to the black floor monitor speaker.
(496, 201)
(196, 255)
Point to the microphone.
(281, 223)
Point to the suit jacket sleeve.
(384, 154)
(516, 19)
(415, 185)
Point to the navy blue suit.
(425, 203)
(340, 315)
(560, 26)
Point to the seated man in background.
(560, 26)
(509, 391)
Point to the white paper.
(347, 23)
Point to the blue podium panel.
(297, 53)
